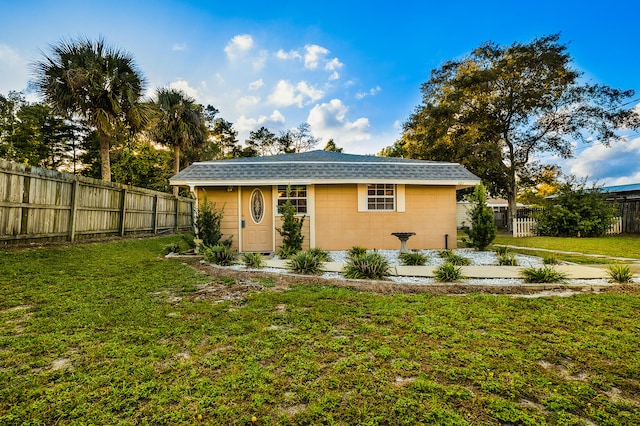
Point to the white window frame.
(294, 199)
(399, 199)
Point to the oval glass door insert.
(256, 205)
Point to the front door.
(257, 219)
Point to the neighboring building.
(347, 200)
(499, 207)
(622, 192)
(628, 199)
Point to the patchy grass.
(611, 245)
(111, 333)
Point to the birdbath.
(403, 237)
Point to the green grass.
(89, 334)
(611, 245)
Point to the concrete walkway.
(572, 271)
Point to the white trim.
(399, 201)
(240, 230)
(311, 214)
(459, 184)
(400, 198)
(274, 211)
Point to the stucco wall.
(430, 212)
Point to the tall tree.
(263, 141)
(494, 109)
(180, 124)
(226, 137)
(97, 83)
(331, 146)
(299, 139)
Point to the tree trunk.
(512, 206)
(176, 166)
(105, 162)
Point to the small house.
(346, 199)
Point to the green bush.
(189, 240)
(322, 255)
(545, 274)
(414, 258)
(550, 259)
(507, 259)
(448, 272)
(305, 262)
(287, 252)
(576, 212)
(483, 229)
(620, 273)
(291, 230)
(173, 248)
(220, 254)
(208, 223)
(356, 251)
(253, 260)
(502, 250)
(453, 258)
(367, 266)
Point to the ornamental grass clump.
(219, 255)
(545, 274)
(455, 259)
(253, 260)
(323, 255)
(367, 266)
(550, 259)
(448, 272)
(306, 263)
(501, 250)
(507, 259)
(356, 251)
(620, 273)
(413, 258)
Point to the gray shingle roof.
(323, 167)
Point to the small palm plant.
(620, 273)
(545, 274)
(414, 258)
(306, 263)
(253, 260)
(448, 272)
(367, 266)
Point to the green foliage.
(413, 258)
(550, 259)
(453, 258)
(323, 255)
(219, 254)
(305, 262)
(577, 211)
(544, 274)
(483, 229)
(620, 273)
(501, 250)
(367, 266)
(356, 251)
(173, 248)
(208, 223)
(448, 272)
(189, 240)
(507, 259)
(291, 230)
(287, 252)
(253, 260)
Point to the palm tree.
(181, 123)
(96, 83)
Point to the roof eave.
(458, 183)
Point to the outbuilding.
(347, 200)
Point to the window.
(381, 196)
(297, 195)
(256, 205)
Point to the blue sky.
(352, 69)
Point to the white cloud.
(179, 47)
(238, 45)
(328, 120)
(334, 65)
(286, 94)
(183, 85)
(247, 102)
(292, 54)
(260, 61)
(313, 55)
(608, 165)
(371, 92)
(255, 85)
(14, 73)
(245, 124)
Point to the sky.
(351, 69)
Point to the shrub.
(448, 272)
(545, 274)
(322, 255)
(502, 250)
(367, 266)
(189, 240)
(208, 223)
(414, 258)
(507, 259)
(220, 255)
(454, 258)
(620, 273)
(356, 251)
(172, 248)
(305, 262)
(576, 212)
(253, 260)
(291, 230)
(550, 259)
(287, 252)
(483, 229)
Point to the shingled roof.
(318, 167)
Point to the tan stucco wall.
(229, 200)
(430, 212)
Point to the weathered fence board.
(38, 204)
(527, 227)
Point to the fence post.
(73, 206)
(155, 214)
(123, 211)
(177, 225)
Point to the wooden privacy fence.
(38, 204)
(527, 227)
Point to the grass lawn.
(611, 245)
(111, 333)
